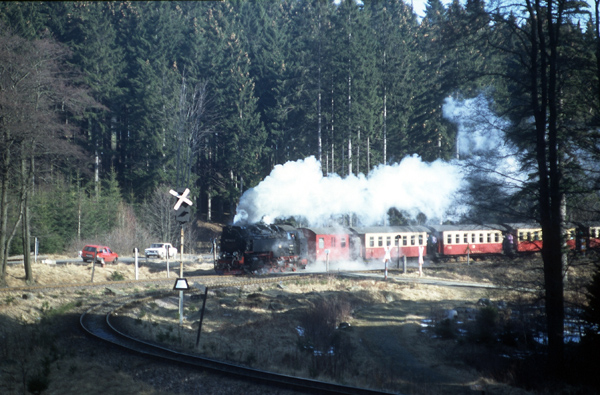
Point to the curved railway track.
(98, 322)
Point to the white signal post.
(135, 253)
(181, 199)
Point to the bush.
(116, 276)
(446, 329)
(330, 349)
(486, 323)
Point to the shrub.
(330, 349)
(446, 329)
(116, 276)
(486, 325)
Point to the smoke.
(299, 189)
(481, 140)
(480, 131)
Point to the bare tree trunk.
(209, 205)
(4, 210)
(384, 113)
(358, 153)
(332, 134)
(26, 236)
(97, 175)
(597, 30)
(27, 244)
(369, 155)
(349, 156)
(349, 98)
(545, 107)
(319, 98)
(78, 208)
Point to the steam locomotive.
(261, 248)
(258, 248)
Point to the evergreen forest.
(108, 105)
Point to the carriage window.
(412, 240)
(397, 241)
(466, 238)
(536, 235)
(481, 237)
(404, 241)
(496, 237)
(380, 241)
(371, 241)
(489, 237)
(321, 242)
(457, 238)
(521, 236)
(449, 239)
(420, 240)
(333, 241)
(473, 238)
(388, 241)
(343, 242)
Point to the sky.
(419, 5)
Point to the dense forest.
(105, 106)
(116, 101)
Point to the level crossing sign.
(182, 206)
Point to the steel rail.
(96, 322)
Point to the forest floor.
(392, 334)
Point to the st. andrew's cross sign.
(182, 207)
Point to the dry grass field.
(390, 335)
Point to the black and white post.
(182, 215)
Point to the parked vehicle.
(159, 250)
(102, 253)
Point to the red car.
(103, 254)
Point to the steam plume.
(299, 189)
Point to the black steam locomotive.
(260, 248)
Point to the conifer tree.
(239, 133)
(398, 62)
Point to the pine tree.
(312, 24)
(396, 33)
(152, 85)
(273, 68)
(240, 135)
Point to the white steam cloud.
(479, 130)
(299, 189)
(482, 141)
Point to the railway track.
(98, 322)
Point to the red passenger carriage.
(401, 240)
(462, 240)
(526, 237)
(591, 232)
(327, 243)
